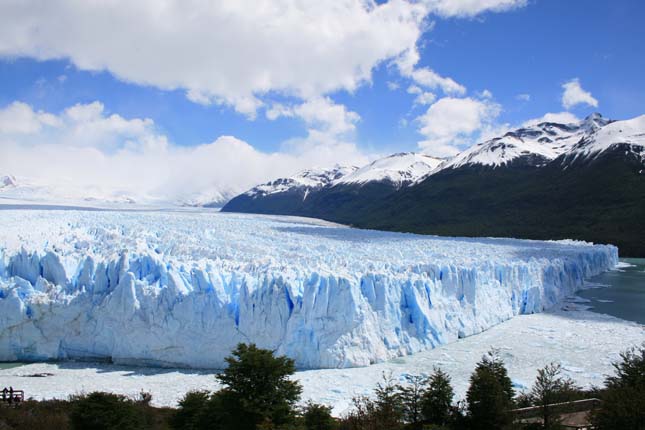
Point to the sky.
(192, 98)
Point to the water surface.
(9, 365)
(624, 293)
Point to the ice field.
(182, 288)
(585, 343)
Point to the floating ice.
(183, 288)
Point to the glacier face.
(183, 288)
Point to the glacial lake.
(623, 292)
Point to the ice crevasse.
(182, 289)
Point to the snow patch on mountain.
(537, 144)
(629, 133)
(399, 169)
(182, 288)
(305, 181)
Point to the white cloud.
(322, 113)
(106, 154)
(558, 117)
(430, 79)
(425, 98)
(392, 86)
(230, 52)
(486, 94)
(19, 118)
(424, 76)
(451, 123)
(470, 8)
(574, 95)
(199, 97)
(422, 97)
(523, 97)
(277, 110)
(236, 53)
(326, 120)
(414, 89)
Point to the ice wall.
(339, 298)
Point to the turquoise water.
(9, 365)
(624, 296)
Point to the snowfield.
(181, 289)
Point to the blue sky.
(511, 59)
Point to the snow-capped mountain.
(325, 187)
(534, 145)
(213, 197)
(530, 182)
(626, 136)
(305, 181)
(23, 190)
(398, 169)
(395, 170)
(8, 181)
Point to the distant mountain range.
(583, 180)
(19, 190)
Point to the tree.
(437, 398)
(257, 392)
(389, 408)
(490, 394)
(362, 416)
(105, 411)
(257, 387)
(549, 388)
(411, 395)
(623, 405)
(318, 417)
(384, 412)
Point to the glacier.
(181, 288)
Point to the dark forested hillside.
(600, 200)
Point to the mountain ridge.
(585, 183)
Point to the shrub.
(318, 417)
(105, 411)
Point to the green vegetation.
(490, 395)
(259, 394)
(624, 397)
(94, 411)
(437, 399)
(318, 417)
(551, 387)
(105, 411)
